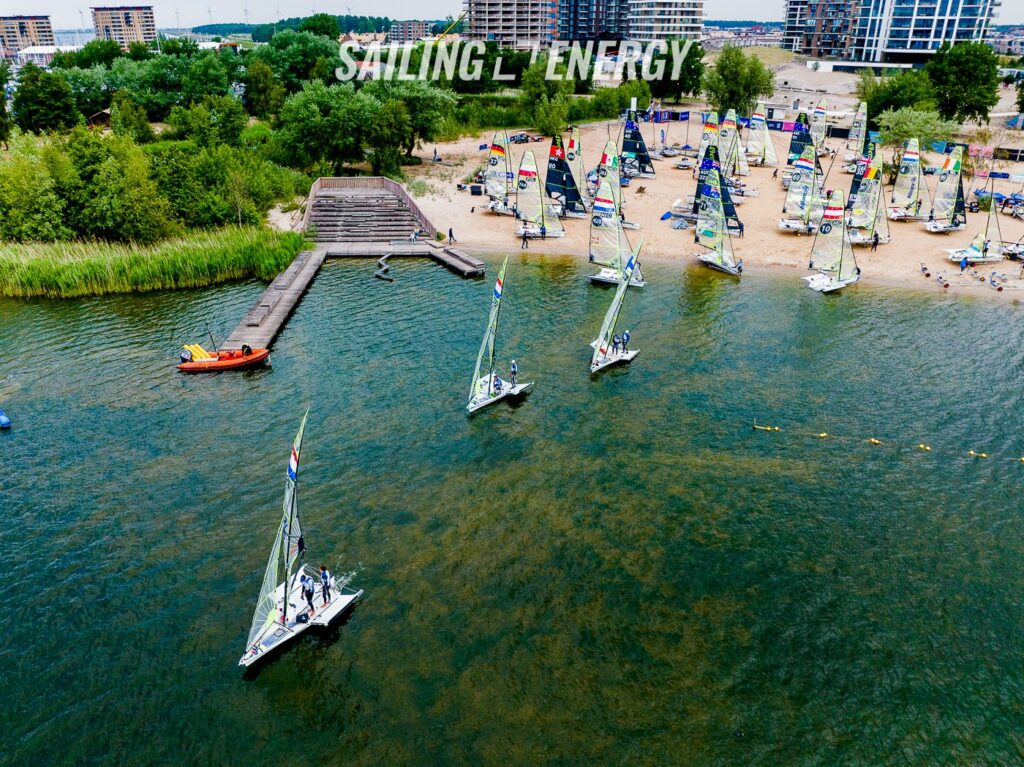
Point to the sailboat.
(530, 208)
(818, 126)
(800, 139)
(711, 231)
(987, 246)
(691, 208)
(832, 254)
(803, 197)
(609, 247)
(708, 136)
(574, 154)
(635, 159)
(858, 133)
(498, 176)
(608, 169)
(560, 185)
(865, 205)
(949, 212)
(487, 388)
(760, 148)
(909, 191)
(734, 160)
(606, 353)
(281, 610)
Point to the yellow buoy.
(971, 453)
(823, 435)
(983, 455)
(874, 441)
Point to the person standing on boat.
(615, 343)
(325, 584)
(513, 373)
(625, 341)
(308, 592)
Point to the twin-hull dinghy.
(832, 254)
(606, 351)
(609, 247)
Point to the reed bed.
(76, 269)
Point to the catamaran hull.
(278, 635)
(617, 358)
(479, 403)
(939, 227)
(609, 276)
(709, 260)
(826, 283)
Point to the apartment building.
(794, 23)
(651, 20)
(408, 31)
(828, 28)
(512, 23)
(20, 32)
(910, 31)
(125, 24)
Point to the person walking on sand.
(775, 174)
(451, 236)
(325, 584)
(874, 242)
(963, 264)
(526, 241)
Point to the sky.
(65, 13)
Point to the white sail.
(603, 344)
(949, 188)
(574, 155)
(726, 134)
(708, 136)
(607, 239)
(906, 190)
(711, 231)
(497, 176)
(759, 141)
(818, 124)
(483, 373)
(832, 252)
(285, 551)
(855, 141)
(608, 170)
(530, 205)
(866, 208)
(803, 198)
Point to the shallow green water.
(618, 571)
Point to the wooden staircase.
(361, 215)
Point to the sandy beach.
(763, 244)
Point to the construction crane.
(451, 26)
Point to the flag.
(497, 289)
(293, 465)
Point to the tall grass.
(74, 269)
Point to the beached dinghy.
(634, 160)
(909, 193)
(832, 253)
(498, 176)
(606, 351)
(855, 142)
(560, 183)
(279, 619)
(487, 387)
(760, 148)
(803, 203)
(609, 247)
(608, 170)
(711, 231)
(949, 213)
(987, 246)
(864, 207)
(534, 219)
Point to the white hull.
(856, 238)
(796, 226)
(609, 276)
(629, 225)
(613, 358)
(957, 255)
(941, 227)
(686, 163)
(533, 232)
(278, 634)
(499, 208)
(479, 403)
(899, 214)
(709, 260)
(827, 283)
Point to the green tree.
(386, 135)
(129, 119)
(264, 93)
(536, 83)
(427, 107)
(910, 89)
(30, 209)
(322, 24)
(737, 81)
(1020, 97)
(293, 56)
(179, 46)
(897, 126)
(551, 115)
(90, 87)
(43, 101)
(138, 51)
(5, 119)
(206, 76)
(215, 120)
(966, 81)
(324, 125)
(691, 73)
(93, 53)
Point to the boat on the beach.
(635, 159)
(986, 247)
(818, 126)
(609, 247)
(606, 351)
(498, 176)
(282, 612)
(855, 142)
(831, 253)
(531, 210)
(487, 387)
(864, 207)
(949, 212)
(760, 148)
(909, 192)
(734, 159)
(608, 169)
(803, 203)
(711, 231)
(195, 359)
(708, 137)
(560, 184)
(690, 208)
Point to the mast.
(487, 345)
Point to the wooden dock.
(264, 320)
(454, 259)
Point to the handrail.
(368, 182)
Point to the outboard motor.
(186, 355)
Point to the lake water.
(618, 571)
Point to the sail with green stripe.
(711, 230)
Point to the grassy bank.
(74, 269)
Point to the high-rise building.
(828, 28)
(512, 23)
(651, 20)
(125, 24)
(19, 32)
(408, 31)
(580, 20)
(795, 22)
(910, 31)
